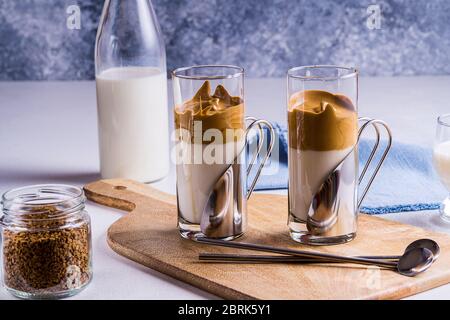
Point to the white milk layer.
(307, 172)
(441, 156)
(196, 181)
(133, 123)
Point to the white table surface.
(48, 133)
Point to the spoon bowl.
(427, 244)
(415, 261)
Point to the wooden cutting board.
(148, 235)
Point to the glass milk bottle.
(130, 65)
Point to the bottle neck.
(129, 35)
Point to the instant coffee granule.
(50, 255)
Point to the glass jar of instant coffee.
(46, 241)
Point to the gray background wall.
(265, 36)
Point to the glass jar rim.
(178, 73)
(21, 201)
(444, 119)
(350, 72)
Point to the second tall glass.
(323, 154)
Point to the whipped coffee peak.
(218, 111)
(204, 93)
(321, 121)
(316, 101)
(206, 104)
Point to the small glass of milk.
(441, 157)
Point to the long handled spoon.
(422, 243)
(410, 264)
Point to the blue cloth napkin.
(406, 181)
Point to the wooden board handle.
(125, 194)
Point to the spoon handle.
(297, 253)
(381, 257)
(263, 258)
(257, 258)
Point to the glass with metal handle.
(212, 139)
(323, 154)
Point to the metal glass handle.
(259, 144)
(374, 150)
(271, 133)
(376, 125)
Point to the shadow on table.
(15, 178)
